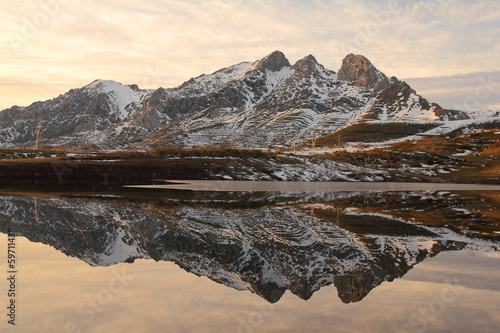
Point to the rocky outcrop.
(273, 62)
(306, 66)
(358, 69)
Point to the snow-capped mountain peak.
(123, 99)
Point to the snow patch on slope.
(124, 99)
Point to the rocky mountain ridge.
(267, 103)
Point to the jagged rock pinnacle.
(358, 69)
(274, 61)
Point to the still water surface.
(266, 186)
(188, 261)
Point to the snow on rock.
(265, 103)
(123, 99)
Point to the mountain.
(269, 102)
(267, 250)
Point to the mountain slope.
(71, 118)
(265, 103)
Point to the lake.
(348, 258)
(284, 186)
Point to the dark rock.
(274, 61)
(358, 69)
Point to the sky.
(447, 50)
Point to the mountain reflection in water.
(266, 243)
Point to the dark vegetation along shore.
(462, 158)
(63, 169)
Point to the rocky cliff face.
(265, 103)
(360, 71)
(266, 250)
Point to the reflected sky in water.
(443, 279)
(58, 293)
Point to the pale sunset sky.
(448, 50)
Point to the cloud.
(470, 92)
(76, 41)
